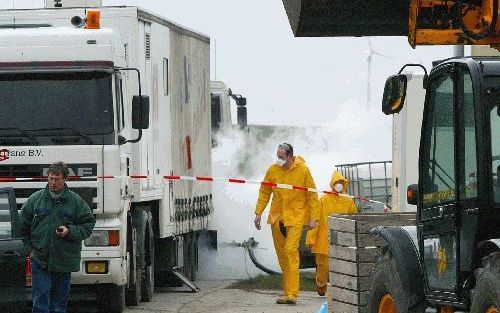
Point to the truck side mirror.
(140, 112)
(394, 94)
(241, 101)
(241, 115)
(412, 194)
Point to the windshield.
(56, 108)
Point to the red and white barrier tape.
(4, 179)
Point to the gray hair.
(58, 168)
(287, 147)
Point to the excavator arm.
(425, 22)
(459, 22)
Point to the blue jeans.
(49, 290)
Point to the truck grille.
(38, 170)
(88, 194)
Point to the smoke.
(351, 137)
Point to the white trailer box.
(67, 94)
(72, 3)
(406, 142)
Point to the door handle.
(441, 210)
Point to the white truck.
(114, 92)
(221, 96)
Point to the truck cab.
(221, 96)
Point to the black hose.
(258, 265)
(481, 35)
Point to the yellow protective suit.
(292, 208)
(317, 238)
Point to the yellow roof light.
(93, 19)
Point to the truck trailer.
(123, 97)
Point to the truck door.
(12, 258)
(448, 179)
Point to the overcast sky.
(287, 80)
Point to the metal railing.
(370, 180)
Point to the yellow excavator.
(450, 260)
(424, 22)
(460, 22)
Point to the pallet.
(353, 255)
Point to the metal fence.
(370, 180)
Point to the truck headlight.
(103, 238)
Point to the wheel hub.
(492, 309)
(387, 304)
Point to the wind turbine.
(370, 53)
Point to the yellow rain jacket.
(317, 238)
(292, 207)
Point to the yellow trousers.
(287, 250)
(321, 269)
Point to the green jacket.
(40, 217)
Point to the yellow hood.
(297, 160)
(338, 177)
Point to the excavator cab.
(457, 194)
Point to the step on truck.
(114, 92)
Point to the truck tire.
(133, 291)
(191, 255)
(387, 294)
(194, 256)
(486, 294)
(111, 298)
(148, 279)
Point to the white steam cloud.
(351, 137)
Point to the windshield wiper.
(75, 131)
(23, 132)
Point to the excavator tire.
(486, 294)
(387, 294)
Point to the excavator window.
(495, 149)
(467, 130)
(439, 179)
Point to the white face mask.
(280, 162)
(338, 187)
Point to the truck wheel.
(194, 256)
(111, 298)
(486, 294)
(148, 280)
(133, 292)
(386, 291)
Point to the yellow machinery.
(425, 22)
(460, 22)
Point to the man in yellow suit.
(290, 211)
(317, 238)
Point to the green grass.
(274, 282)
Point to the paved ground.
(214, 297)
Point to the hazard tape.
(4, 179)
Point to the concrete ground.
(214, 297)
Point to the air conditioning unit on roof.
(73, 3)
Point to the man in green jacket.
(54, 222)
